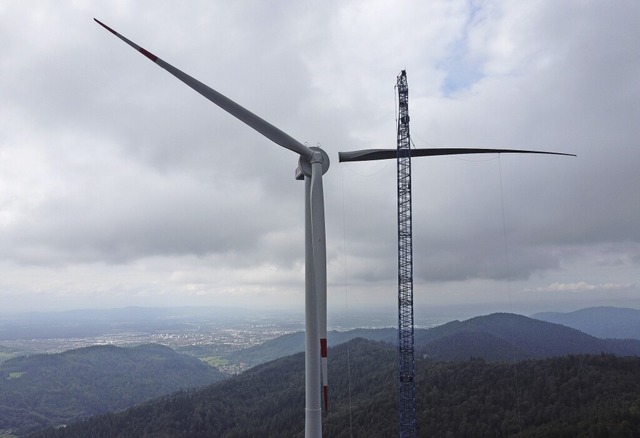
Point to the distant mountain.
(496, 337)
(292, 343)
(53, 389)
(510, 337)
(601, 322)
(575, 395)
(264, 400)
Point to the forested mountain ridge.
(602, 322)
(294, 343)
(267, 400)
(51, 389)
(511, 337)
(576, 395)
(495, 337)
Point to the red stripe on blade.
(148, 54)
(105, 26)
(323, 347)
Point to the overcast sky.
(120, 186)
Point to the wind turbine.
(312, 164)
(403, 154)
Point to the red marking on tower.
(326, 398)
(325, 385)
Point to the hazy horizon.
(337, 319)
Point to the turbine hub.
(304, 165)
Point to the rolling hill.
(294, 342)
(510, 337)
(577, 395)
(496, 337)
(601, 322)
(276, 387)
(52, 389)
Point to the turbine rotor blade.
(386, 154)
(262, 126)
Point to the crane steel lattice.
(403, 154)
(406, 364)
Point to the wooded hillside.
(53, 389)
(577, 395)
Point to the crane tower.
(406, 363)
(403, 154)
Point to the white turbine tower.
(313, 163)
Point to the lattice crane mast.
(403, 154)
(406, 362)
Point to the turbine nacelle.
(304, 164)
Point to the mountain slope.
(601, 322)
(569, 396)
(496, 337)
(294, 343)
(267, 400)
(510, 337)
(42, 390)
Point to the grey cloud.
(119, 162)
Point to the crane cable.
(346, 299)
(508, 267)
